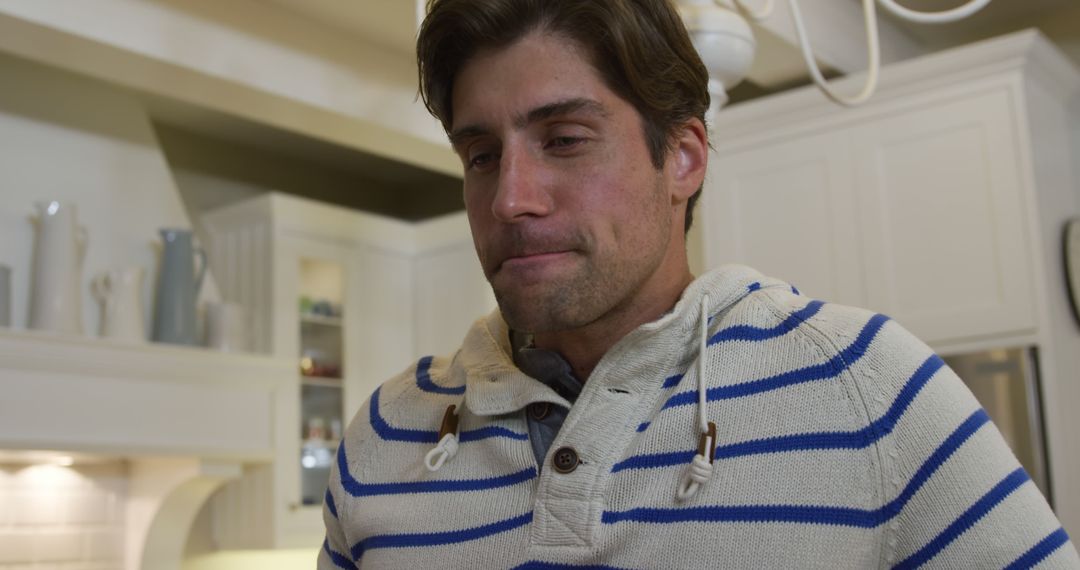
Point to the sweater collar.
(495, 386)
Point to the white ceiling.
(392, 24)
(389, 23)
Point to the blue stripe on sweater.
(984, 505)
(825, 371)
(672, 381)
(356, 488)
(424, 382)
(330, 502)
(669, 382)
(491, 431)
(757, 334)
(956, 439)
(749, 333)
(842, 516)
(536, 565)
(339, 559)
(391, 433)
(411, 540)
(858, 439)
(1040, 551)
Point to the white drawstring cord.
(700, 469)
(448, 442)
(446, 449)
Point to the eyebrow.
(543, 112)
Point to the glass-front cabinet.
(321, 369)
(317, 284)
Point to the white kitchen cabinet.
(942, 217)
(354, 298)
(912, 206)
(940, 203)
(788, 208)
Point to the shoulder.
(408, 408)
(395, 427)
(852, 334)
(882, 366)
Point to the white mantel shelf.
(89, 395)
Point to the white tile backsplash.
(15, 546)
(88, 508)
(38, 507)
(62, 518)
(58, 545)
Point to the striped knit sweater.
(842, 442)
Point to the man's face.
(570, 218)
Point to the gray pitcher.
(178, 288)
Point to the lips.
(515, 250)
(538, 258)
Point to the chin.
(528, 314)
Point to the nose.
(522, 190)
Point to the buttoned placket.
(596, 433)
(599, 428)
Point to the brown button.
(539, 410)
(565, 460)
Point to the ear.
(688, 160)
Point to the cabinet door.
(319, 320)
(787, 209)
(943, 219)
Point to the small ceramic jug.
(120, 293)
(178, 288)
(56, 290)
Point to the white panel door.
(943, 219)
(787, 209)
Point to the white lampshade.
(724, 41)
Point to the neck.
(584, 347)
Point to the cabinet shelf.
(328, 444)
(310, 319)
(321, 381)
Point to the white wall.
(75, 140)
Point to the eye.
(563, 142)
(481, 160)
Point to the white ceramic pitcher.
(56, 290)
(120, 293)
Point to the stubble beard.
(599, 284)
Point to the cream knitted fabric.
(842, 442)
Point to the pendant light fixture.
(723, 37)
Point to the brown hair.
(639, 47)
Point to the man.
(617, 413)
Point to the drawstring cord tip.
(448, 441)
(700, 469)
